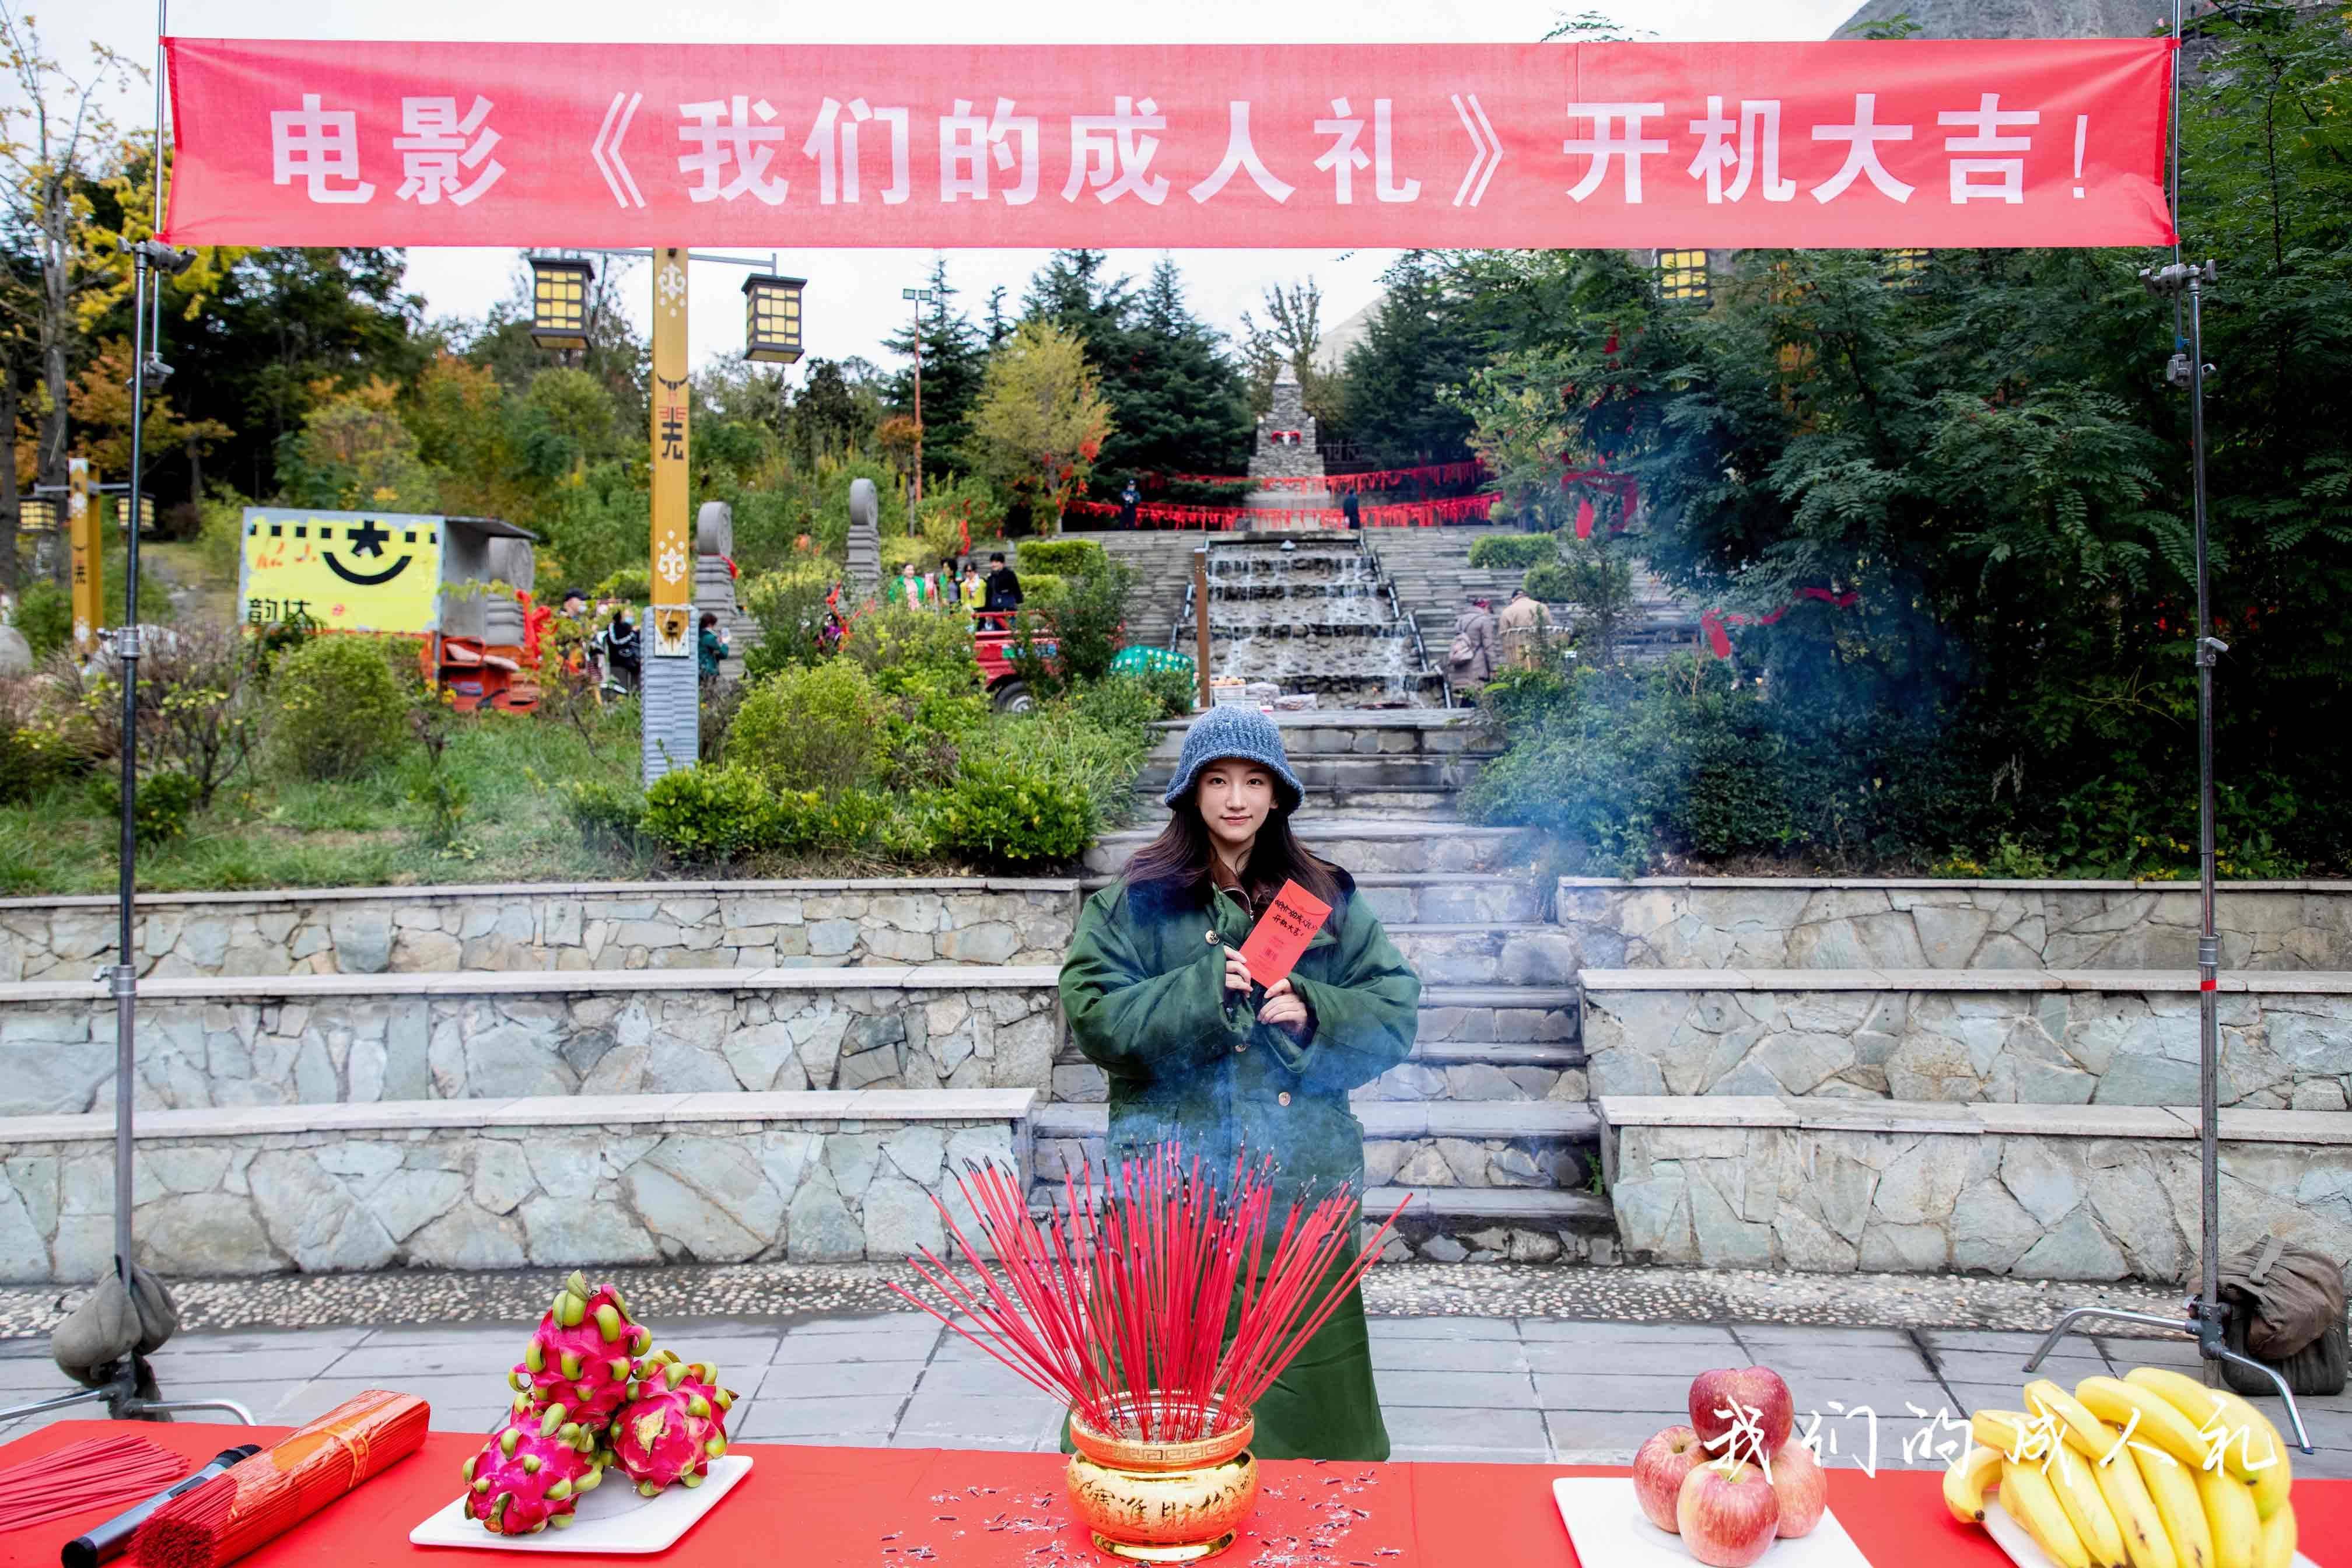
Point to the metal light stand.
(2208, 1315)
(121, 1395)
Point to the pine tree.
(1420, 342)
(1181, 404)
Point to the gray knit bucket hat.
(1243, 732)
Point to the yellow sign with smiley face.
(347, 571)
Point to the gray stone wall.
(2040, 1206)
(1762, 923)
(58, 1057)
(495, 1197)
(639, 926)
(2279, 1050)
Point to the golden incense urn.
(1162, 1502)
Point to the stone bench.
(1771, 923)
(546, 1182)
(551, 926)
(2041, 1192)
(2054, 1037)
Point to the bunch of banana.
(2155, 1503)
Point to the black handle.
(113, 1539)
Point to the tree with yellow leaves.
(1040, 421)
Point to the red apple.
(1741, 1414)
(1804, 1490)
(1729, 1514)
(1658, 1471)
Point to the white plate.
(612, 1518)
(1610, 1530)
(2026, 1554)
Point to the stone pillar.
(865, 540)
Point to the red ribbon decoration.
(1711, 625)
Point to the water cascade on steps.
(1312, 614)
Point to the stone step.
(1344, 732)
(1543, 1144)
(1504, 953)
(1414, 897)
(1348, 774)
(1365, 844)
(1967, 1036)
(1838, 1187)
(507, 1181)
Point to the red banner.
(1433, 474)
(1946, 142)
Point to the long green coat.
(1144, 989)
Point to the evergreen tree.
(1073, 293)
(1420, 342)
(1181, 404)
(953, 364)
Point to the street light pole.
(921, 297)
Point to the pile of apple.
(1731, 1482)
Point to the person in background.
(951, 598)
(575, 605)
(1477, 646)
(1522, 624)
(1127, 501)
(619, 645)
(971, 589)
(908, 588)
(1004, 587)
(1352, 510)
(709, 647)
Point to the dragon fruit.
(533, 1473)
(673, 1424)
(583, 1352)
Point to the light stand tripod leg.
(172, 1407)
(2178, 1326)
(41, 1406)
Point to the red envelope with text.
(1282, 933)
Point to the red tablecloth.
(813, 1508)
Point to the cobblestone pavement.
(1419, 1290)
(1524, 1385)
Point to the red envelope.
(1282, 933)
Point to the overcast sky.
(853, 295)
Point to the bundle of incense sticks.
(275, 1490)
(95, 1473)
(1155, 1306)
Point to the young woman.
(1198, 1052)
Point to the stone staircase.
(1433, 577)
(1406, 760)
(1486, 1126)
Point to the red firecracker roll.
(275, 1490)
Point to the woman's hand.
(1237, 974)
(1287, 1010)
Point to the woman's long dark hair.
(1178, 860)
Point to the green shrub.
(631, 584)
(1513, 551)
(1083, 621)
(1065, 557)
(1001, 812)
(897, 645)
(607, 814)
(1040, 590)
(165, 803)
(1129, 704)
(45, 615)
(336, 707)
(820, 728)
(1551, 582)
(791, 609)
(708, 816)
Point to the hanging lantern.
(772, 317)
(559, 302)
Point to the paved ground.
(1540, 1389)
